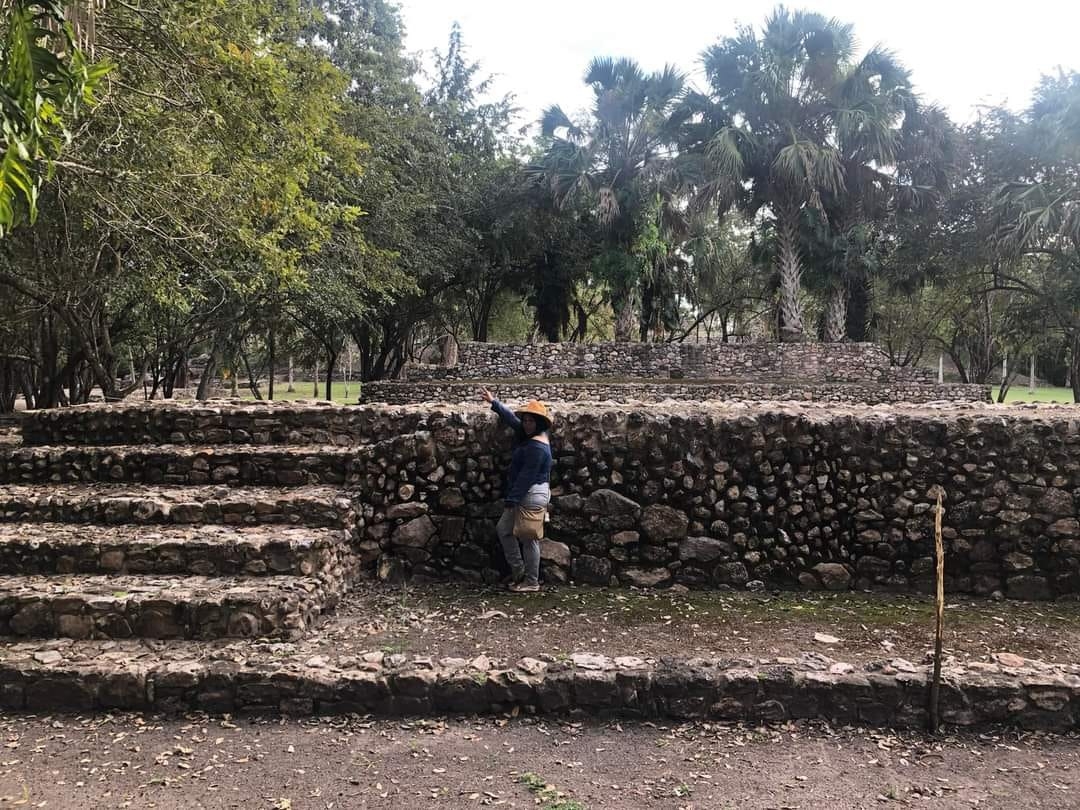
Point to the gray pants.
(523, 556)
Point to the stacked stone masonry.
(254, 534)
(225, 422)
(159, 607)
(753, 362)
(719, 495)
(404, 393)
(1029, 695)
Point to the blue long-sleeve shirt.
(531, 461)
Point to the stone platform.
(252, 521)
(96, 676)
(795, 495)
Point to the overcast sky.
(961, 52)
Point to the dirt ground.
(200, 762)
(463, 620)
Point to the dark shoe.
(524, 587)
(513, 577)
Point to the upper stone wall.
(396, 392)
(757, 362)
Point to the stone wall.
(1033, 696)
(403, 393)
(703, 495)
(182, 465)
(803, 362)
(214, 422)
(795, 496)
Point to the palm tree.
(617, 162)
(792, 123)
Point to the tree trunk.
(315, 384)
(253, 384)
(482, 318)
(859, 309)
(291, 388)
(448, 351)
(647, 314)
(331, 361)
(624, 318)
(270, 348)
(790, 267)
(207, 375)
(1074, 366)
(836, 315)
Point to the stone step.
(144, 504)
(64, 548)
(218, 423)
(116, 607)
(182, 677)
(180, 465)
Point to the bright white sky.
(962, 53)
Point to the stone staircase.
(173, 541)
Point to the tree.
(1038, 208)
(617, 162)
(188, 189)
(717, 281)
(432, 160)
(792, 124)
(46, 81)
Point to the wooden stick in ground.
(935, 684)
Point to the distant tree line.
(196, 189)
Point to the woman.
(527, 487)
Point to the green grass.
(1019, 393)
(305, 390)
(548, 796)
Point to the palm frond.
(552, 120)
(812, 167)
(724, 152)
(607, 206)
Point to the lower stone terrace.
(755, 657)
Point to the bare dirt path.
(201, 762)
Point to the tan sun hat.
(535, 408)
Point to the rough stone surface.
(609, 502)
(555, 552)
(159, 607)
(833, 576)
(790, 495)
(1021, 693)
(818, 362)
(650, 578)
(142, 504)
(663, 523)
(209, 550)
(394, 392)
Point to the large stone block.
(661, 523)
(417, 533)
(608, 502)
(591, 570)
